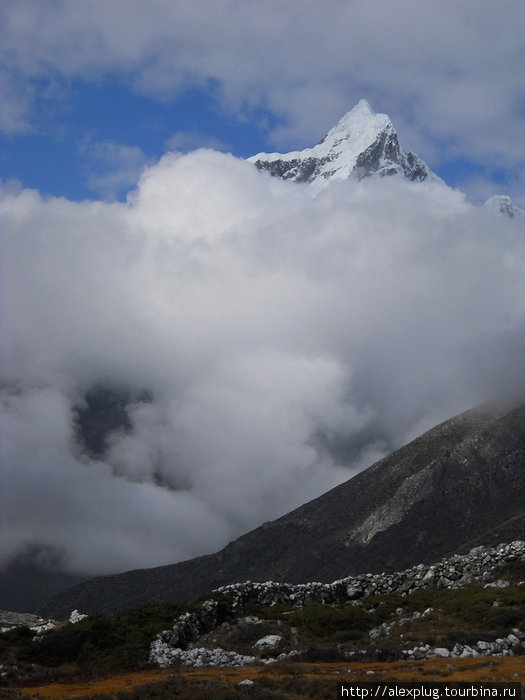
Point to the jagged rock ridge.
(362, 143)
(459, 485)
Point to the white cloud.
(16, 97)
(112, 167)
(285, 342)
(185, 141)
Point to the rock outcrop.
(10, 620)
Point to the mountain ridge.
(420, 503)
(362, 143)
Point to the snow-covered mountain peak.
(362, 143)
(500, 204)
(359, 123)
(362, 107)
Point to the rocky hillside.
(460, 485)
(463, 606)
(181, 643)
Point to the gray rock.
(353, 592)
(269, 642)
(442, 652)
(497, 584)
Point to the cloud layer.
(273, 343)
(446, 72)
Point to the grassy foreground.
(283, 680)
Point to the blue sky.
(68, 155)
(93, 92)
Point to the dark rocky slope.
(459, 485)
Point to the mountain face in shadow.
(459, 485)
(35, 573)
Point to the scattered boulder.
(76, 617)
(500, 647)
(269, 642)
(9, 620)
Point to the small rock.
(270, 641)
(76, 617)
(353, 592)
(442, 652)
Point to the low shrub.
(325, 620)
(105, 642)
(347, 635)
(321, 654)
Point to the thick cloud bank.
(268, 345)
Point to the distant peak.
(362, 143)
(364, 107)
(361, 109)
(502, 204)
(360, 118)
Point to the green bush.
(347, 635)
(247, 632)
(104, 642)
(320, 654)
(512, 571)
(325, 620)
(472, 604)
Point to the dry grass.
(474, 669)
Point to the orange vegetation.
(473, 669)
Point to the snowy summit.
(500, 204)
(360, 144)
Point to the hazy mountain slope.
(23, 584)
(460, 484)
